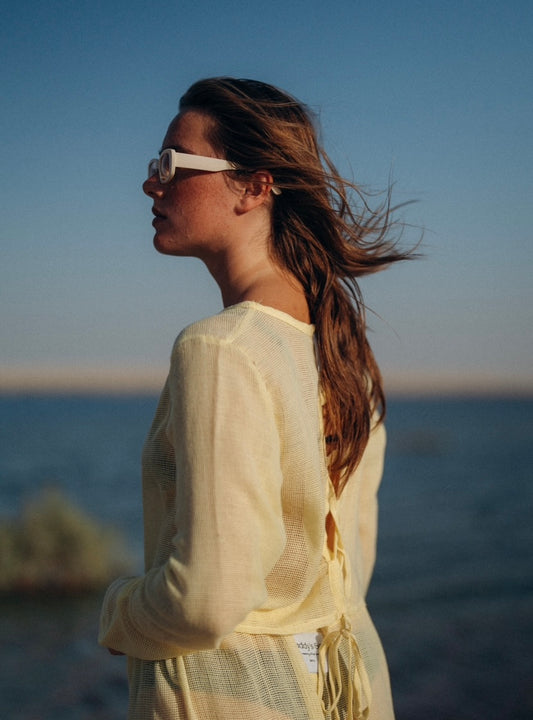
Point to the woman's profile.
(261, 468)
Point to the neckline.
(307, 328)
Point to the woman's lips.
(158, 217)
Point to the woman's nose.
(151, 186)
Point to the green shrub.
(54, 547)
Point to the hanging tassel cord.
(358, 692)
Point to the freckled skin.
(196, 209)
(223, 221)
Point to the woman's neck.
(284, 295)
(260, 280)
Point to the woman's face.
(195, 211)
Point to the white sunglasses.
(170, 160)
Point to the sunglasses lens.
(165, 169)
(153, 167)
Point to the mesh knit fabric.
(235, 495)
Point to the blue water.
(452, 593)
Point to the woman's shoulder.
(249, 334)
(252, 340)
(223, 327)
(247, 322)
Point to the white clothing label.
(308, 644)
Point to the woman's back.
(300, 590)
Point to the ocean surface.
(452, 593)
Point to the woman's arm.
(228, 515)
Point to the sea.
(452, 592)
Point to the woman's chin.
(166, 247)
(161, 246)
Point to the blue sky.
(436, 93)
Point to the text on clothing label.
(308, 644)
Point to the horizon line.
(150, 380)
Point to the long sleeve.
(227, 523)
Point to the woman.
(261, 467)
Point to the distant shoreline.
(150, 380)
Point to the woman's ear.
(255, 190)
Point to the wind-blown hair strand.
(324, 233)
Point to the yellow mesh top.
(235, 496)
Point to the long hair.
(324, 233)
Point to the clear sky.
(438, 94)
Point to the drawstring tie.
(358, 693)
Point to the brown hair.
(324, 233)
